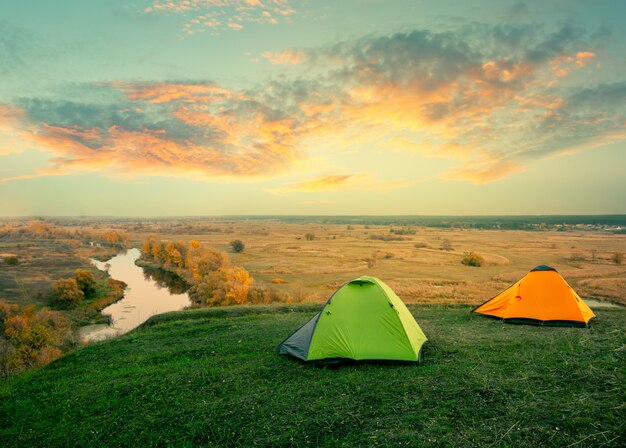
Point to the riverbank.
(144, 297)
(212, 377)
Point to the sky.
(315, 107)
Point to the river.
(143, 298)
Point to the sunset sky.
(212, 107)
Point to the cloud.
(286, 57)
(485, 173)
(489, 98)
(217, 15)
(335, 182)
(330, 182)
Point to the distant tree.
(146, 246)
(617, 258)
(309, 236)
(237, 246)
(86, 281)
(472, 259)
(173, 256)
(446, 245)
(12, 260)
(67, 294)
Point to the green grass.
(211, 377)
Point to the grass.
(211, 377)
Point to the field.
(422, 264)
(211, 377)
(412, 261)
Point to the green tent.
(364, 319)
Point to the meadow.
(422, 264)
(309, 260)
(211, 377)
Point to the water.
(144, 297)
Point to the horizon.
(171, 108)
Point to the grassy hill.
(211, 377)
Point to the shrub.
(237, 246)
(11, 260)
(278, 281)
(386, 238)
(472, 259)
(446, 245)
(67, 294)
(577, 257)
(420, 244)
(617, 258)
(309, 236)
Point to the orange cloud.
(235, 12)
(286, 57)
(563, 65)
(331, 182)
(483, 174)
(12, 135)
(167, 92)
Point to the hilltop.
(211, 377)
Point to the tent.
(542, 297)
(363, 320)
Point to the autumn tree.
(226, 286)
(146, 246)
(156, 250)
(236, 285)
(86, 281)
(172, 256)
(33, 337)
(67, 293)
(210, 261)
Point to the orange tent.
(542, 297)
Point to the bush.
(617, 258)
(472, 259)
(237, 246)
(67, 294)
(278, 281)
(11, 260)
(446, 245)
(420, 244)
(309, 236)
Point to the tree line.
(46, 230)
(212, 278)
